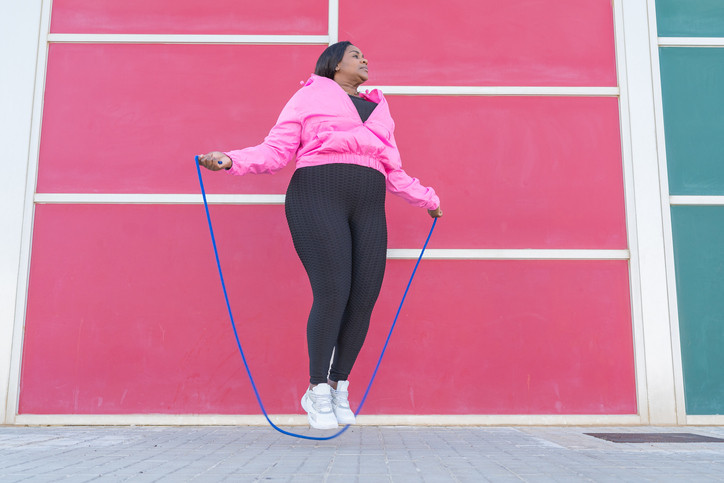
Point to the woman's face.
(353, 67)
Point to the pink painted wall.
(209, 17)
(125, 312)
(126, 316)
(488, 42)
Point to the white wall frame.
(507, 254)
(690, 41)
(301, 420)
(666, 216)
(630, 204)
(20, 43)
(647, 210)
(333, 21)
(548, 91)
(188, 39)
(157, 199)
(705, 420)
(699, 200)
(656, 390)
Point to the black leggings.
(336, 214)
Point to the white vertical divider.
(38, 54)
(21, 40)
(333, 20)
(630, 200)
(666, 215)
(645, 218)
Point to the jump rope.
(238, 343)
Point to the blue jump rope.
(241, 351)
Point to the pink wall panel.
(190, 16)
(488, 42)
(512, 172)
(129, 118)
(506, 337)
(125, 315)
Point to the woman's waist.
(318, 159)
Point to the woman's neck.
(350, 89)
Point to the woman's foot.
(317, 401)
(340, 403)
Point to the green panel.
(692, 87)
(690, 18)
(699, 258)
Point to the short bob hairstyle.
(332, 55)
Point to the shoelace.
(340, 399)
(322, 402)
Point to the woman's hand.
(215, 160)
(436, 213)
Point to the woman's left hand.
(436, 213)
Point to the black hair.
(332, 55)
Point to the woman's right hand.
(215, 160)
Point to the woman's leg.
(318, 222)
(369, 255)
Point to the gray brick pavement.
(365, 454)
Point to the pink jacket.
(320, 125)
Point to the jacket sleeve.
(278, 148)
(402, 184)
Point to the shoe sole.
(343, 420)
(315, 424)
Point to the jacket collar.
(375, 95)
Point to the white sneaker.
(340, 403)
(318, 404)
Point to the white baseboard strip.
(705, 420)
(301, 420)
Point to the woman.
(335, 206)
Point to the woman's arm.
(404, 185)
